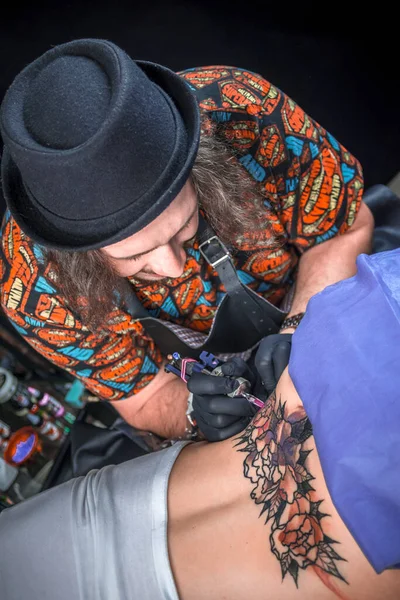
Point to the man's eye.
(136, 258)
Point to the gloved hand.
(218, 415)
(272, 358)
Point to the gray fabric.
(99, 537)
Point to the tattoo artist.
(153, 212)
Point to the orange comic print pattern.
(310, 190)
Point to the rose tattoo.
(275, 463)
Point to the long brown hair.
(232, 202)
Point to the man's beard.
(154, 278)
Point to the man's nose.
(169, 260)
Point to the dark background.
(339, 64)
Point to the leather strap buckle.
(222, 248)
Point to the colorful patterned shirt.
(311, 191)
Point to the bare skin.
(161, 406)
(157, 251)
(221, 548)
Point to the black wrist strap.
(293, 321)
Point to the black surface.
(340, 66)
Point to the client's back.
(253, 518)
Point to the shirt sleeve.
(314, 183)
(112, 364)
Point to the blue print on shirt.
(125, 387)
(37, 251)
(295, 145)
(34, 322)
(327, 235)
(221, 117)
(169, 307)
(84, 372)
(244, 277)
(195, 253)
(263, 287)
(291, 184)
(207, 285)
(19, 329)
(333, 141)
(148, 366)
(253, 167)
(43, 286)
(347, 172)
(314, 149)
(203, 300)
(78, 353)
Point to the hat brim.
(38, 228)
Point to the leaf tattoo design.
(276, 465)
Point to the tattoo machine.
(209, 364)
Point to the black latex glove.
(272, 358)
(219, 416)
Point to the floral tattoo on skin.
(276, 465)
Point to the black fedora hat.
(96, 145)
